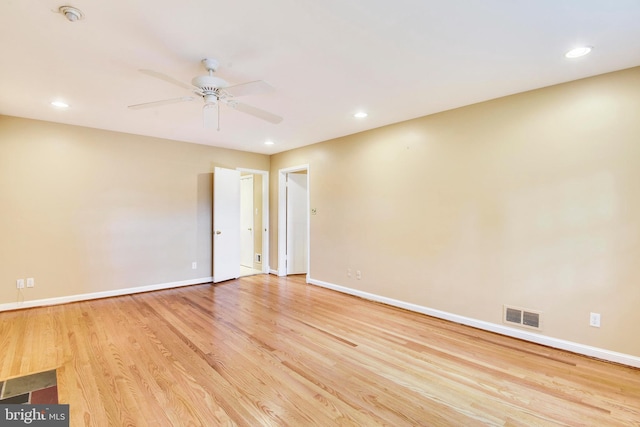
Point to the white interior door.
(226, 224)
(296, 223)
(246, 221)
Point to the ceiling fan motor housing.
(208, 83)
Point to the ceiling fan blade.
(166, 78)
(255, 112)
(251, 88)
(160, 103)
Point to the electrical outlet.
(358, 275)
(194, 265)
(594, 320)
(20, 283)
(31, 282)
(348, 272)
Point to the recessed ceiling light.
(60, 104)
(578, 52)
(360, 115)
(71, 13)
(268, 143)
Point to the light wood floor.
(263, 351)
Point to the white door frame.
(265, 215)
(282, 218)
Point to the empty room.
(320, 213)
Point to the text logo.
(34, 415)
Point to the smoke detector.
(71, 13)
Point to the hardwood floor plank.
(272, 351)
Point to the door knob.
(218, 232)
(249, 229)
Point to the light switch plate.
(594, 320)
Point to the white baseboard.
(274, 272)
(573, 347)
(103, 294)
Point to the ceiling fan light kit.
(214, 90)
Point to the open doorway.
(293, 221)
(254, 211)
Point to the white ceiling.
(326, 59)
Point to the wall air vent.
(522, 317)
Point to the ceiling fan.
(214, 90)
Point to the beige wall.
(85, 210)
(531, 200)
